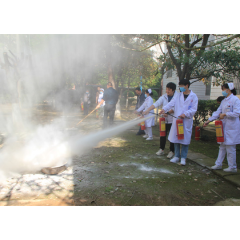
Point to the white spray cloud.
(48, 145)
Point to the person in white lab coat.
(185, 106)
(163, 101)
(228, 112)
(149, 122)
(99, 99)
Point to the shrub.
(124, 97)
(130, 94)
(155, 95)
(205, 108)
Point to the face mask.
(145, 95)
(224, 93)
(182, 89)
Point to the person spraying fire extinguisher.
(149, 122)
(228, 112)
(161, 102)
(185, 106)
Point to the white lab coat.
(189, 108)
(147, 103)
(163, 101)
(231, 123)
(100, 96)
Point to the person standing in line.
(110, 97)
(219, 99)
(185, 106)
(100, 97)
(163, 101)
(97, 94)
(228, 112)
(151, 121)
(86, 102)
(140, 101)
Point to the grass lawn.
(209, 147)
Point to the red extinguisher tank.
(219, 131)
(197, 133)
(143, 125)
(180, 129)
(82, 107)
(162, 127)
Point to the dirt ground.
(120, 171)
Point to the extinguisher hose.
(168, 114)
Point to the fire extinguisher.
(162, 126)
(197, 133)
(143, 125)
(82, 107)
(219, 131)
(180, 129)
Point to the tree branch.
(182, 46)
(178, 65)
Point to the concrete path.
(207, 162)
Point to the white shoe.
(149, 138)
(183, 161)
(234, 170)
(174, 160)
(160, 152)
(216, 167)
(145, 136)
(170, 155)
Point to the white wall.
(198, 88)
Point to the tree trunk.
(127, 95)
(110, 74)
(186, 70)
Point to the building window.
(169, 73)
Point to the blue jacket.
(140, 100)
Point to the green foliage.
(130, 93)
(155, 94)
(205, 109)
(221, 62)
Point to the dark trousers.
(86, 108)
(109, 110)
(140, 130)
(163, 139)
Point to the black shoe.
(140, 133)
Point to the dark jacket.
(110, 96)
(140, 100)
